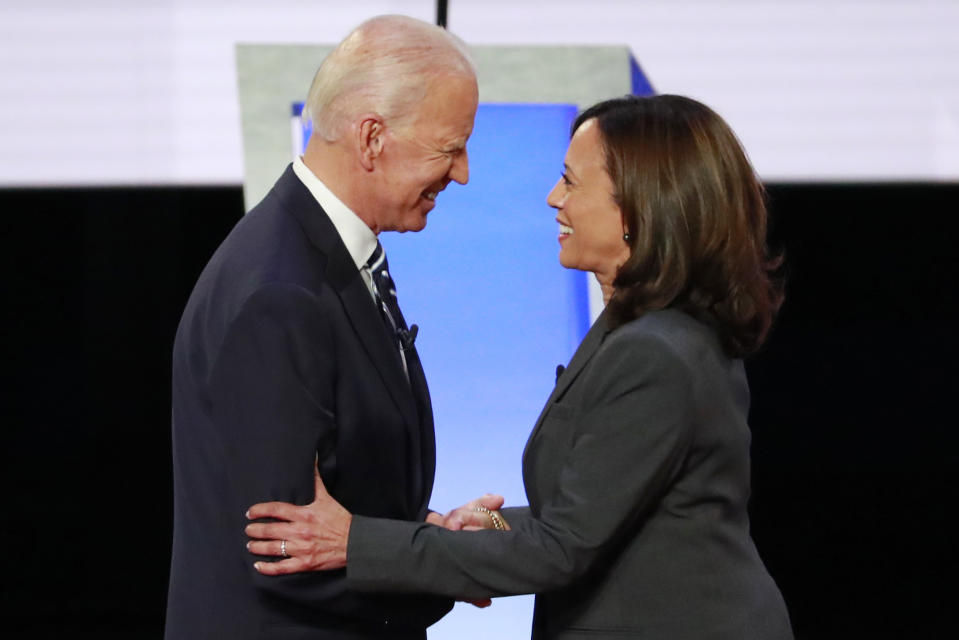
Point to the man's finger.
(491, 501)
(454, 521)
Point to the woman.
(637, 471)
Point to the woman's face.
(590, 222)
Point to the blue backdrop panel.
(640, 83)
(496, 313)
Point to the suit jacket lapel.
(422, 437)
(345, 279)
(584, 353)
(425, 441)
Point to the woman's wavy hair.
(696, 216)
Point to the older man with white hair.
(292, 352)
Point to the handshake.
(482, 513)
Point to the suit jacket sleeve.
(273, 382)
(631, 432)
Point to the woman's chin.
(571, 263)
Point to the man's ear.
(370, 139)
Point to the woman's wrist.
(497, 519)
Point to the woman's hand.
(472, 516)
(310, 538)
(481, 513)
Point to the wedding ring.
(283, 549)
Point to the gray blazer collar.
(584, 353)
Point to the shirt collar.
(359, 239)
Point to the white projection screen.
(119, 93)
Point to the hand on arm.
(314, 536)
(277, 380)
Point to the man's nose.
(460, 169)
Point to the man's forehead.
(450, 121)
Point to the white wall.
(118, 92)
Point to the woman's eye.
(566, 180)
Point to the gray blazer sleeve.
(515, 515)
(631, 427)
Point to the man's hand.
(311, 537)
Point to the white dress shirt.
(359, 239)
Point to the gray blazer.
(637, 475)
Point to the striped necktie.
(384, 293)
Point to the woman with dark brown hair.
(637, 471)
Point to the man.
(292, 353)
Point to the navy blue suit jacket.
(281, 356)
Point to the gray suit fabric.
(637, 474)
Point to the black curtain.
(854, 439)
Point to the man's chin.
(414, 223)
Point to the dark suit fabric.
(281, 356)
(637, 475)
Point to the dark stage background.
(854, 450)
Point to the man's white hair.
(384, 67)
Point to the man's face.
(421, 158)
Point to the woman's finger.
(278, 510)
(270, 548)
(290, 565)
(271, 531)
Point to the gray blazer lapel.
(584, 353)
